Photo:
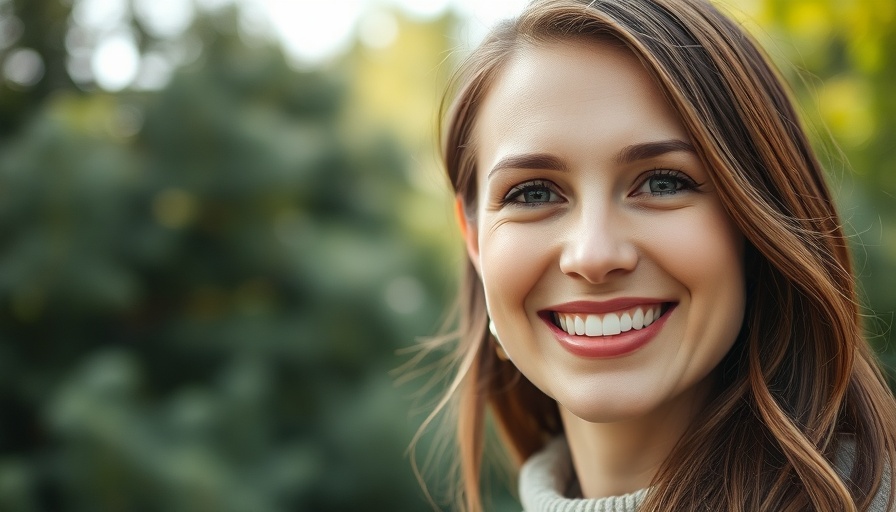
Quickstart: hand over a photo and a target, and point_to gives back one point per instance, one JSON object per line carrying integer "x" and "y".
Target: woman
{"x": 659, "y": 307}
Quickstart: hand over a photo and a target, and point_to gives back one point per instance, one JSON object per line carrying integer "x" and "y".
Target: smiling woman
{"x": 658, "y": 283}
{"x": 628, "y": 225}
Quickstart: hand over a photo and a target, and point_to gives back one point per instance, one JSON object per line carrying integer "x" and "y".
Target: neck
{"x": 615, "y": 458}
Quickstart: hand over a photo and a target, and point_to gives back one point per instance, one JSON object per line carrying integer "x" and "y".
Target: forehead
{"x": 573, "y": 97}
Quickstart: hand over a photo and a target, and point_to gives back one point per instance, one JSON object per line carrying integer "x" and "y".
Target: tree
{"x": 202, "y": 291}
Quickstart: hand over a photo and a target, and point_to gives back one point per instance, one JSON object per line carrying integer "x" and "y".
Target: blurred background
{"x": 223, "y": 226}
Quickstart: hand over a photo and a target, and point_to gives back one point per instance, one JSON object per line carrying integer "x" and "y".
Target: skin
{"x": 588, "y": 220}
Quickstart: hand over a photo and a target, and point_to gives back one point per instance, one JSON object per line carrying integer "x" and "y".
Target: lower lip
{"x": 605, "y": 347}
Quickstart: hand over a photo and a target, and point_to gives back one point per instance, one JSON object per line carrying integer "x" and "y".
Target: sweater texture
{"x": 547, "y": 482}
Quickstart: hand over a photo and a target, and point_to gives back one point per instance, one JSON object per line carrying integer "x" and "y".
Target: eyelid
{"x": 519, "y": 188}
{"x": 689, "y": 183}
{"x": 668, "y": 171}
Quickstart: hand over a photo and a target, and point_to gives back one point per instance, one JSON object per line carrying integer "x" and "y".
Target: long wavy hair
{"x": 801, "y": 379}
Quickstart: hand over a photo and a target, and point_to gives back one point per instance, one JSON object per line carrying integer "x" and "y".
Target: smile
{"x": 608, "y": 324}
{"x": 607, "y": 329}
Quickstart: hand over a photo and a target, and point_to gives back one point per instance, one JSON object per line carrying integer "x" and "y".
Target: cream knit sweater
{"x": 546, "y": 477}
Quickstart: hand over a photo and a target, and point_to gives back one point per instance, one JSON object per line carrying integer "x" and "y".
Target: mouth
{"x": 609, "y": 324}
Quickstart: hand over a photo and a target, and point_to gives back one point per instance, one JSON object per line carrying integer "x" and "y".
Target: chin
{"x": 608, "y": 409}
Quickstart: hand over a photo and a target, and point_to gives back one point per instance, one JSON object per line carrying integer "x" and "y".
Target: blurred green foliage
{"x": 203, "y": 288}
{"x": 838, "y": 57}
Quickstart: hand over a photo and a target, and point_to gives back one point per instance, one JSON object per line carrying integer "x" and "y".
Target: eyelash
{"x": 528, "y": 186}
{"x": 683, "y": 183}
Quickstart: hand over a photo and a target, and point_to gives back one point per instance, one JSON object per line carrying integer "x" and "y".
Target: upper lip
{"x": 606, "y": 306}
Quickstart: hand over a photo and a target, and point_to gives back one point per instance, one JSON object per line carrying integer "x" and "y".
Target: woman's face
{"x": 611, "y": 270}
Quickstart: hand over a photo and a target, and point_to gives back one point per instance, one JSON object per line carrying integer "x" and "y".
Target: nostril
{"x": 598, "y": 259}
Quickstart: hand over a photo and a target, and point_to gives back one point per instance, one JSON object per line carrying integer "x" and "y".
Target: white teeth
{"x": 580, "y": 326}
{"x": 592, "y": 326}
{"x": 608, "y": 324}
{"x": 625, "y": 322}
{"x": 611, "y": 324}
{"x": 637, "y": 319}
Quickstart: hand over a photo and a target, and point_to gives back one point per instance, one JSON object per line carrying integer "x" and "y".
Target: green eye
{"x": 665, "y": 182}
{"x": 535, "y": 195}
{"x": 664, "y": 185}
{"x": 532, "y": 192}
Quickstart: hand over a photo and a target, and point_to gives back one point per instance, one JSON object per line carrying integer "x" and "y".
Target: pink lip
{"x": 606, "y": 347}
{"x": 608, "y": 306}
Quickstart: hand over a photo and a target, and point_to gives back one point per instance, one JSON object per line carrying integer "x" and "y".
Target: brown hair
{"x": 801, "y": 378}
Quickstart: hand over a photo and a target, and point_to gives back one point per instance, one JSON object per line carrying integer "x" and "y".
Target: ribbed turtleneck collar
{"x": 546, "y": 477}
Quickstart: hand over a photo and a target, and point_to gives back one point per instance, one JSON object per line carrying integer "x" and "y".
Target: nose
{"x": 600, "y": 245}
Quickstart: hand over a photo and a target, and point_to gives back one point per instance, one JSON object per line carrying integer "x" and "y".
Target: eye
{"x": 532, "y": 193}
{"x": 665, "y": 182}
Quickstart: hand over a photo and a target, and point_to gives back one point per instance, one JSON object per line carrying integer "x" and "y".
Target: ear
{"x": 468, "y": 231}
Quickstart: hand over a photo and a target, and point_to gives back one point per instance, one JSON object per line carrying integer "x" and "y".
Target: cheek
{"x": 701, "y": 245}
{"x": 706, "y": 255}
{"x": 512, "y": 262}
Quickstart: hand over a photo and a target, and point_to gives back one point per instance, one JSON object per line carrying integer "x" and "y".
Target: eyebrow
{"x": 628, "y": 154}
{"x": 649, "y": 150}
{"x": 529, "y": 161}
